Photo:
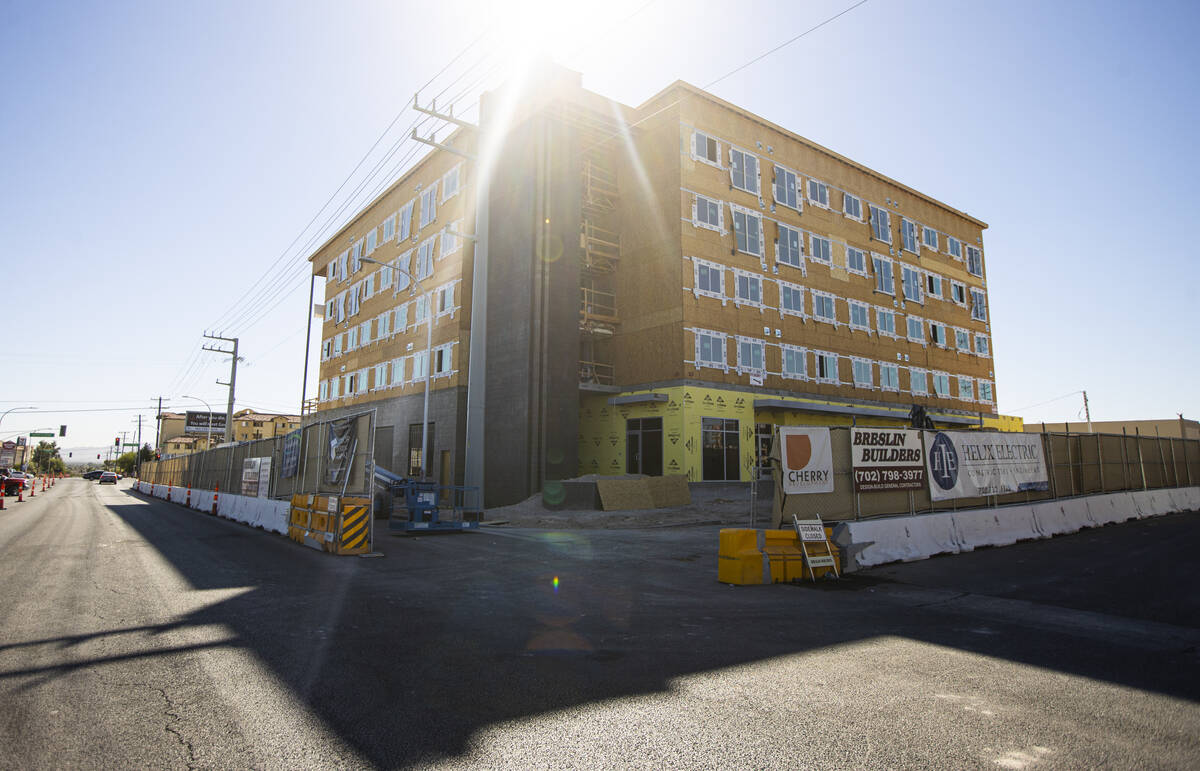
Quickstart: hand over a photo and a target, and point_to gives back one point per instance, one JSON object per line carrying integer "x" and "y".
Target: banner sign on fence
{"x": 291, "y": 455}
{"x": 887, "y": 459}
{"x": 806, "y": 460}
{"x": 970, "y": 464}
{"x": 342, "y": 441}
{"x": 203, "y": 422}
{"x": 250, "y": 476}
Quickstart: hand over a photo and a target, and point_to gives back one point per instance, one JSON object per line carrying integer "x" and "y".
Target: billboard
{"x": 198, "y": 423}
{"x": 970, "y": 464}
{"x": 8, "y": 454}
{"x": 806, "y": 460}
{"x": 887, "y": 459}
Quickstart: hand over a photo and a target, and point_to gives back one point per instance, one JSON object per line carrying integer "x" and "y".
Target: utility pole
{"x": 138, "y": 458}
{"x": 158, "y": 425}
{"x": 232, "y": 379}
{"x": 1087, "y": 412}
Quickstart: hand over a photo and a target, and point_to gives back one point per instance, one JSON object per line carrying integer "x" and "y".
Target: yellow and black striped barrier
{"x": 331, "y": 524}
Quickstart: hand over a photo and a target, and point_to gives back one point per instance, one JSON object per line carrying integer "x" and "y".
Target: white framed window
{"x": 786, "y": 191}
{"x": 451, "y": 181}
{"x": 916, "y": 329}
{"x": 420, "y": 365}
{"x": 372, "y": 240}
{"x": 368, "y": 286}
{"x": 818, "y": 193}
{"x": 852, "y": 206}
{"x": 398, "y": 366}
{"x": 352, "y": 338}
{"x": 352, "y": 299}
{"x": 445, "y": 299}
{"x": 404, "y": 222}
{"x": 885, "y": 279}
{"x": 938, "y": 334}
{"x": 908, "y": 235}
{"x": 707, "y": 213}
{"x": 323, "y": 394}
{"x": 340, "y": 315}
{"x": 789, "y": 247}
{"x": 930, "y": 237}
{"x": 889, "y": 377}
{"x": 326, "y": 349}
{"x": 385, "y": 277}
{"x": 365, "y": 334}
{"x": 978, "y": 304}
{"x": 974, "y": 261}
{"x": 747, "y": 228}
{"x": 379, "y": 376}
{"x": 885, "y": 321}
{"x": 705, "y": 148}
{"x": 429, "y": 204}
{"x": 748, "y": 288}
{"x": 983, "y": 346}
{"x": 420, "y": 309}
{"x": 750, "y": 355}
{"x": 881, "y": 224}
{"x": 941, "y": 385}
{"x": 708, "y": 279}
{"x": 826, "y": 367}
{"x": 824, "y": 306}
{"x": 958, "y": 293}
{"x": 710, "y": 349}
{"x": 985, "y": 392}
{"x": 425, "y": 258}
{"x": 966, "y": 388}
{"x": 389, "y": 228}
{"x": 933, "y": 285}
{"x": 795, "y": 362}
{"x": 918, "y": 381}
{"x": 331, "y": 270}
{"x": 356, "y": 253}
{"x": 954, "y": 247}
{"x": 856, "y": 261}
{"x": 860, "y": 315}
{"x": 791, "y": 299}
{"x": 443, "y": 359}
{"x": 450, "y": 242}
{"x": 385, "y": 324}
{"x": 912, "y": 284}
{"x": 743, "y": 170}
{"x": 864, "y": 373}
{"x": 401, "y": 316}
{"x": 330, "y": 308}
{"x": 337, "y": 345}
{"x": 342, "y": 271}
{"x": 962, "y": 340}
{"x": 822, "y": 249}
{"x": 402, "y": 271}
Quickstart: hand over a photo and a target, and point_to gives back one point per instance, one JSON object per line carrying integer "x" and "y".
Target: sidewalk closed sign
{"x": 807, "y": 460}
{"x": 970, "y": 464}
{"x": 887, "y": 459}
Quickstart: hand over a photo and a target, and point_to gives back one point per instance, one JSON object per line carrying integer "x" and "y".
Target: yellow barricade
{"x": 742, "y": 553}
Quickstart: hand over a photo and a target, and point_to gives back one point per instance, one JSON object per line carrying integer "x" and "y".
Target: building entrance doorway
{"x": 722, "y": 449}
{"x": 644, "y": 446}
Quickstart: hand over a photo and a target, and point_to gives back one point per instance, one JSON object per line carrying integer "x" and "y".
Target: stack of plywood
{"x": 644, "y": 492}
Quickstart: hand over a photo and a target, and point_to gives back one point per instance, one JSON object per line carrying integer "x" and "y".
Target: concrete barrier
{"x": 257, "y": 512}
{"x": 866, "y": 543}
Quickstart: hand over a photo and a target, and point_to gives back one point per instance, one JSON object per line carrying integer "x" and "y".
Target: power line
{"x": 1048, "y": 401}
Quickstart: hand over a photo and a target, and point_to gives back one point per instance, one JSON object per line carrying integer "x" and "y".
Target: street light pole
{"x": 14, "y": 409}
{"x": 208, "y": 427}
{"x": 416, "y": 287}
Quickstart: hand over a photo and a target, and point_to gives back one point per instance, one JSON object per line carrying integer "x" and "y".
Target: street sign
{"x": 41, "y": 433}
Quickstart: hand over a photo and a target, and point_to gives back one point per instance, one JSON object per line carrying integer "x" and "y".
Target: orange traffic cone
{"x": 189, "y": 497}
{"x": 215, "y": 493}
{"x": 32, "y": 488}
{"x": 20, "y": 495}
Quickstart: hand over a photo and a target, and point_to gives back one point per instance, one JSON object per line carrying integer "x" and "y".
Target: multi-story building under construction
{"x": 661, "y": 285}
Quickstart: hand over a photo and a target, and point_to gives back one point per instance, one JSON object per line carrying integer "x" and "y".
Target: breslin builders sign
{"x": 887, "y": 459}
{"x": 971, "y": 464}
{"x": 807, "y": 460}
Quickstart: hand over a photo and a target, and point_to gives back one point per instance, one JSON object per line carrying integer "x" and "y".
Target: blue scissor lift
{"x": 418, "y": 506}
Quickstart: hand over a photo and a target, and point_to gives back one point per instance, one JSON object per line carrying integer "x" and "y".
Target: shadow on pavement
{"x": 408, "y": 657}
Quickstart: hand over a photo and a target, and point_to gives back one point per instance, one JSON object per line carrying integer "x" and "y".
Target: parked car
{"x": 93, "y": 474}
{"x": 108, "y": 478}
{"x": 16, "y": 482}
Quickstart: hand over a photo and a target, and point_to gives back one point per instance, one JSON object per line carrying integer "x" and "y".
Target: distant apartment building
{"x": 249, "y": 425}
{"x": 665, "y": 284}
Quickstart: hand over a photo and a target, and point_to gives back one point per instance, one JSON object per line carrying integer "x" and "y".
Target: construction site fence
{"x": 226, "y": 466}
{"x": 1076, "y": 464}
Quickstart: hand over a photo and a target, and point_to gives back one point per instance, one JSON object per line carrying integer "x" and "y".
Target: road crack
{"x": 173, "y": 718}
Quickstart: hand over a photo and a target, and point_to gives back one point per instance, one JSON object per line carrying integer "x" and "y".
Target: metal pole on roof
{"x": 312, "y": 285}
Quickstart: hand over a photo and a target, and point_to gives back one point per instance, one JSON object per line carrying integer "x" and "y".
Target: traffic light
{"x": 97, "y": 456}
{"x": 62, "y": 430}
{"x": 70, "y": 455}
{"x": 117, "y": 442}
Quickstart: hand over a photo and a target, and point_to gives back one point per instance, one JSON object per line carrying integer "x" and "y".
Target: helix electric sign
{"x": 806, "y": 460}
{"x": 971, "y": 464}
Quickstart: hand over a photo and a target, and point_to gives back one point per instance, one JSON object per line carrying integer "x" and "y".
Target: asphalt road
{"x": 134, "y": 633}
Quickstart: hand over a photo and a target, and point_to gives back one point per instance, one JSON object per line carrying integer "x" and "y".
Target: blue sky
{"x": 159, "y": 158}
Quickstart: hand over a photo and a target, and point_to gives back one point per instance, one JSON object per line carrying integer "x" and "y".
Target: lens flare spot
{"x": 549, "y": 248}
{"x": 555, "y": 582}
{"x": 553, "y": 493}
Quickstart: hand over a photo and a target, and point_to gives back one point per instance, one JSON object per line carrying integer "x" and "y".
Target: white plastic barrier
{"x": 258, "y": 512}
{"x": 994, "y": 527}
{"x": 866, "y": 543}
